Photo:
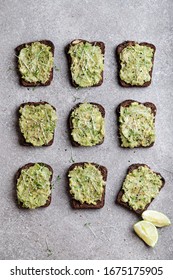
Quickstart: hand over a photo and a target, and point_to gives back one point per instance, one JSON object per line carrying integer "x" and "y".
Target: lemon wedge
{"x": 156, "y": 218}
{"x": 147, "y": 232}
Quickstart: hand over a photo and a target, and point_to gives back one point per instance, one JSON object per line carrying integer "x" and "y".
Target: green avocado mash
{"x": 136, "y": 63}
{"x": 37, "y": 123}
{"x": 136, "y": 126}
{"x": 140, "y": 187}
{"x": 88, "y": 125}
{"x": 87, "y": 64}
{"x": 33, "y": 186}
{"x": 35, "y": 62}
{"x": 86, "y": 183}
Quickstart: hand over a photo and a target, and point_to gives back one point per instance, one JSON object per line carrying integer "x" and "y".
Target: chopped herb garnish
{"x": 89, "y": 226}
{"x": 48, "y": 250}
{"x": 71, "y": 160}
{"x": 75, "y": 98}
{"x": 58, "y": 178}
{"x": 56, "y": 68}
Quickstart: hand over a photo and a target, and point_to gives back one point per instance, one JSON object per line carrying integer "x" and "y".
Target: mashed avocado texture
{"x": 87, "y": 64}
{"x": 140, "y": 187}
{"x": 136, "y": 63}
{"x": 136, "y": 126}
{"x": 37, "y": 123}
{"x": 88, "y": 125}
{"x": 86, "y": 183}
{"x": 35, "y": 62}
{"x": 33, "y": 186}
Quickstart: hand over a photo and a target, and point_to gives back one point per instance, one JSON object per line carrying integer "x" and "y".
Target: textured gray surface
{"x": 58, "y": 232}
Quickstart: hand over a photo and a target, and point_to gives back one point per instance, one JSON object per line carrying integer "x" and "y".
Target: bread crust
{"x": 70, "y": 124}
{"x": 127, "y": 103}
{"x": 94, "y": 43}
{"x": 121, "y": 192}
{"x": 26, "y": 166}
{"x": 22, "y": 138}
{"x": 26, "y": 83}
{"x": 119, "y": 49}
{"x": 77, "y": 204}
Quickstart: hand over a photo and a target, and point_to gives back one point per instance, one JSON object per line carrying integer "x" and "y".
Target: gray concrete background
{"x": 59, "y": 232}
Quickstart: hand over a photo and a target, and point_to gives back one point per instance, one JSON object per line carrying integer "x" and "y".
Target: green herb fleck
{"x": 71, "y": 160}
{"x": 75, "y": 98}
{"x": 87, "y": 224}
{"x": 48, "y": 250}
{"x": 56, "y": 68}
{"x": 58, "y": 178}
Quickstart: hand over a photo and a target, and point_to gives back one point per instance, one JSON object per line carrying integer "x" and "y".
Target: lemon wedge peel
{"x": 156, "y": 218}
{"x": 147, "y": 232}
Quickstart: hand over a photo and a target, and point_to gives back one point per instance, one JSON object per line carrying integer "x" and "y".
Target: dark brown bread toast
{"x": 22, "y": 138}
{"x": 77, "y": 204}
{"x": 26, "y": 83}
{"x": 121, "y": 192}
{"x": 119, "y": 49}
{"x": 127, "y": 103}
{"x": 102, "y": 111}
{"x": 94, "y": 43}
{"x": 26, "y": 166}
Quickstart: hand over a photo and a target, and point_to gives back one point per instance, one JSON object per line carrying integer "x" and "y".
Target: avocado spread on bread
{"x": 35, "y": 62}
{"x": 140, "y": 187}
{"x": 86, "y": 183}
{"x": 136, "y": 64}
{"x": 88, "y": 125}
{"x": 33, "y": 186}
{"x": 87, "y": 64}
{"x": 136, "y": 125}
{"x": 37, "y": 123}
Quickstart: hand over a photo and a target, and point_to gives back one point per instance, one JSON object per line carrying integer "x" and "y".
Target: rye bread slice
{"x": 121, "y": 192}
{"x": 26, "y": 166}
{"x": 22, "y": 138}
{"x": 127, "y": 103}
{"x": 119, "y": 49}
{"x": 26, "y": 83}
{"x": 77, "y": 204}
{"x": 102, "y": 111}
{"x": 100, "y": 44}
